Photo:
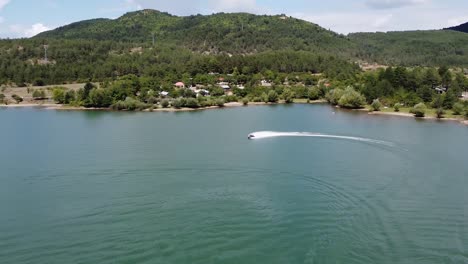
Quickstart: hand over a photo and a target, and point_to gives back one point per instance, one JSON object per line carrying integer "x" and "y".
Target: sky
{"x": 26, "y": 18}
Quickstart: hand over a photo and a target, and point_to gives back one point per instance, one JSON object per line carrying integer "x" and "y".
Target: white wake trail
{"x": 272, "y": 134}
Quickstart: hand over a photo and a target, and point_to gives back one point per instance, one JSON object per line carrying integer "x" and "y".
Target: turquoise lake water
{"x": 112, "y": 187}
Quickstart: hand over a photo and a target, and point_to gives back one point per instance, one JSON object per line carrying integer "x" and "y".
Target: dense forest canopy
{"x": 235, "y": 33}
{"x": 412, "y": 48}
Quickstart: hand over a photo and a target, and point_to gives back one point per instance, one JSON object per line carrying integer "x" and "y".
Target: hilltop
{"x": 235, "y": 33}
{"x": 243, "y": 33}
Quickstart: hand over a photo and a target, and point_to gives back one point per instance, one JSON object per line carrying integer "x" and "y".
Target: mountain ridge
{"x": 244, "y": 33}
{"x": 221, "y": 32}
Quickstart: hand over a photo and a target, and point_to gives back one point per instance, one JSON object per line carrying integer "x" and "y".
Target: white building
{"x": 265, "y": 83}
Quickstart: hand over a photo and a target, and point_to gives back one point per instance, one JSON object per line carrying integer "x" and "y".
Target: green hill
{"x": 236, "y": 33}
{"x": 102, "y": 49}
{"x": 242, "y": 33}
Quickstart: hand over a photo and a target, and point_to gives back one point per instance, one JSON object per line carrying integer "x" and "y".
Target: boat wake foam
{"x": 273, "y": 134}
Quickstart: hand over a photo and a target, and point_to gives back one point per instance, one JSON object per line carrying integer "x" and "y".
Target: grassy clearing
{"x": 430, "y": 112}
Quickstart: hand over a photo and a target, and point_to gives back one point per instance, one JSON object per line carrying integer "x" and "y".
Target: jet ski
{"x": 251, "y": 136}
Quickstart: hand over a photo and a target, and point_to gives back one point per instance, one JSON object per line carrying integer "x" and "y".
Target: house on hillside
{"x": 441, "y": 89}
{"x": 202, "y": 92}
{"x": 179, "y": 85}
{"x": 265, "y": 83}
{"x": 225, "y": 86}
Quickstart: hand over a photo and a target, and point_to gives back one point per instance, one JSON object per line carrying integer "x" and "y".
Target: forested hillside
{"x": 242, "y": 33}
{"x": 236, "y": 33}
{"x": 411, "y": 48}
{"x": 105, "y": 49}
{"x": 22, "y": 62}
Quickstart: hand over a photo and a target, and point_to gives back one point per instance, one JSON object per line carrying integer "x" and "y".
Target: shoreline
{"x": 59, "y": 107}
{"x": 461, "y": 120}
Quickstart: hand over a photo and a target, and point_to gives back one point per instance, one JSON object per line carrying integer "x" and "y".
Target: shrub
{"x": 245, "y": 101}
{"x": 466, "y": 113}
{"x": 2, "y": 98}
{"x": 396, "y": 107}
{"x": 152, "y": 100}
{"x": 376, "y": 105}
{"x": 314, "y": 93}
{"x": 450, "y": 99}
{"x": 419, "y": 110}
{"x": 99, "y": 97}
{"x": 257, "y": 99}
{"x": 39, "y": 94}
{"x": 264, "y": 98}
{"x": 352, "y": 99}
{"x": 288, "y": 96}
{"x": 165, "y": 103}
{"x": 183, "y": 102}
{"x": 70, "y": 96}
{"x": 457, "y": 108}
{"x": 438, "y": 101}
{"x": 272, "y": 96}
{"x": 231, "y": 98}
{"x": 220, "y": 102}
{"x": 177, "y": 104}
{"x": 58, "y": 95}
{"x": 206, "y": 103}
{"x": 191, "y": 103}
{"x": 334, "y": 95}
{"x": 188, "y": 93}
{"x": 17, "y": 98}
{"x": 440, "y": 113}
{"x": 130, "y": 104}
{"x": 216, "y": 91}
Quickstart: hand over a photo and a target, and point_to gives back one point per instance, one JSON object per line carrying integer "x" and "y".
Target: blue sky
{"x": 24, "y": 18}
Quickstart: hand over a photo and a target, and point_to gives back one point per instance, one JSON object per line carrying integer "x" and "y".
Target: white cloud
{"x": 178, "y": 7}
{"x": 36, "y": 29}
{"x": 1, "y": 20}
{"x": 457, "y": 21}
{"x": 387, "y": 4}
{"x": 234, "y": 5}
{"x": 350, "y": 22}
{"x": 421, "y": 17}
{"x": 184, "y": 7}
{"x": 3, "y": 3}
{"x": 382, "y": 21}
{"x": 133, "y": 4}
{"x": 22, "y": 31}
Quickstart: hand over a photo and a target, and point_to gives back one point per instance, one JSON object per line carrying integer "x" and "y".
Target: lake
{"x": 115, "y": 187}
